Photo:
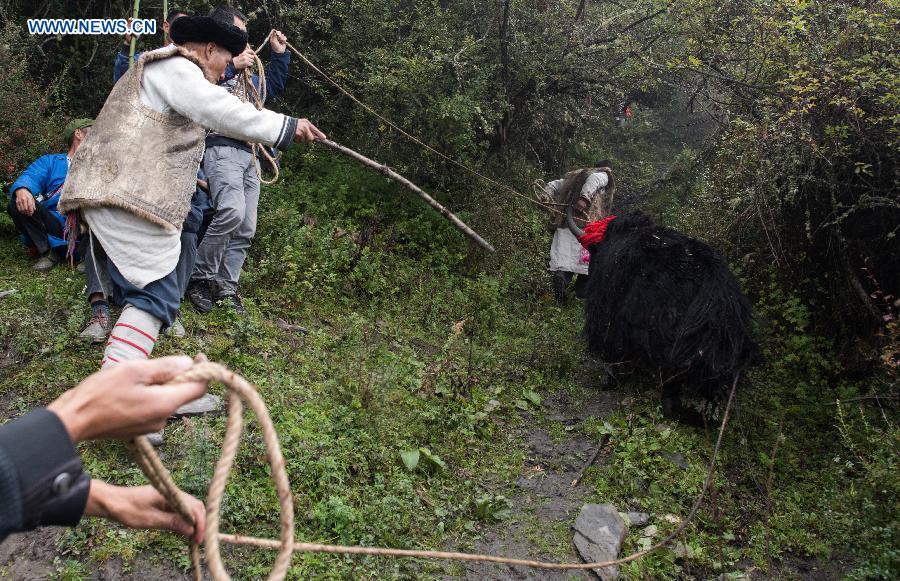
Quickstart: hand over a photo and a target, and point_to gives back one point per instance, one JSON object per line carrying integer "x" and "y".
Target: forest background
{"x": 768, "y": 129}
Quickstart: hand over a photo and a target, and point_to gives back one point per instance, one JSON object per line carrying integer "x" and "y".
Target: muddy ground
{"x": 545, "y": 495}
{"x": 34, "y": 556}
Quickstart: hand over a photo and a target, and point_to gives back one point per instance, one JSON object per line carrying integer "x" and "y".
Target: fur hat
{"x": 206, "y": 29}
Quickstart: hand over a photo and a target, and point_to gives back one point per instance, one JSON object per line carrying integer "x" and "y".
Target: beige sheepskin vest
{"x": 137, "y": 158}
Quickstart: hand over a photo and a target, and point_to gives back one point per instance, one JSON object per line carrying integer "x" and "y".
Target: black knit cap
{"x": 206, "y": 29}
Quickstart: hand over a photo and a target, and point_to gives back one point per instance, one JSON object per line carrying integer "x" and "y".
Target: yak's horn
{"x": 578, "y": 232}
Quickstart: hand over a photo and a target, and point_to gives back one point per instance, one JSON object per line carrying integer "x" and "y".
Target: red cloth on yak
{"x": 594, "y": 232}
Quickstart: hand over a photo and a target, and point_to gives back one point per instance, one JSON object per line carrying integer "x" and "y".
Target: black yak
{"x": 668, "y": 303}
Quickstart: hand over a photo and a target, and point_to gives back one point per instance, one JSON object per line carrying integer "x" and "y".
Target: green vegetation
{"x": 768, "y": 129}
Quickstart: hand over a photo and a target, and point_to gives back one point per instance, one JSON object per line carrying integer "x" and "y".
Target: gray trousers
{"x": 234, "y": 189}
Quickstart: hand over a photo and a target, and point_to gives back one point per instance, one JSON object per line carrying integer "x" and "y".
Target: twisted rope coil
{"x": 238, "y": 392}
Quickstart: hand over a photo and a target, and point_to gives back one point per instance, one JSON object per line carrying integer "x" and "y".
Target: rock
{"x": 637, "y": 519}
{"x": 599, "y": 531}
{"x": 682, "y": 551}
{"x": 207, "y": 403}
{"x": 289, "y": 327}
{"x": 6, "y": 293}
{"x": 672, "y": 518}
{"x": 650, "y": 531}
{"x": 677, "y": 459}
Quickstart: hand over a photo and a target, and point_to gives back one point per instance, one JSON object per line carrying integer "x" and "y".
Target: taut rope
{"x": 246, "y": 90}
{"x": 238, "y": 390}
{"x": 547, "y": 206}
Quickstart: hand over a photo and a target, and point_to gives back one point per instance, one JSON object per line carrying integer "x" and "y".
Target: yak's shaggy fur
{"x": 669, "y": 303}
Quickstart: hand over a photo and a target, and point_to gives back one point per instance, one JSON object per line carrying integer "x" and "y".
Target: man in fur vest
{"x": 131, "y": 180}
{"x": 583, "y": 189}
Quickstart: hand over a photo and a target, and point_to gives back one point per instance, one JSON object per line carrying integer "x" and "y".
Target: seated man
{"x": 33, "y": 198}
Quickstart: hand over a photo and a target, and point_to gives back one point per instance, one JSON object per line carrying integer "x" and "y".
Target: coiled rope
{"x": 247, "y": 91}
{"x": 239, "y": 391}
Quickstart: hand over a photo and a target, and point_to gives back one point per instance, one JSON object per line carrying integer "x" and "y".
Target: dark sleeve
{"x": 39, "y": 464}
{"x": 286, "y": 137}
{"x": 121, "y": 65}
{"x": 276, "y": 74}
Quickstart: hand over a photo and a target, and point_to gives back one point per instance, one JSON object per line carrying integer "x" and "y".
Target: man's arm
{"x": 593, "y": 184}
{"x": 31, "y": 183}
{"x": 35, "y": 177}
{"x": 121, "y": 65}
{"x": 277, "y": 71}
{"x": 214, "y": 108}
{"x": 41, "y": 477}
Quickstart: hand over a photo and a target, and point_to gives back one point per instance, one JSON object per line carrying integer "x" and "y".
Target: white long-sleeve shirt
{"x": 141, "y": 250}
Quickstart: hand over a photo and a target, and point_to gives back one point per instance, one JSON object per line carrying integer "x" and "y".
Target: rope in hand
{"x": 549, "y": 206}
{"x": 238, "y": 392}
{"x": 247, "y": 91}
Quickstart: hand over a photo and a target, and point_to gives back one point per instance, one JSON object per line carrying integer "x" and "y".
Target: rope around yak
{"x": 239, "y": 391}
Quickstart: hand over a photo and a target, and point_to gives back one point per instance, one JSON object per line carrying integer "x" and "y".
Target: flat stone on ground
{"x": 599, "y": 531}
{"x": 638, "y": 519}
{"x": 202, "y": 405}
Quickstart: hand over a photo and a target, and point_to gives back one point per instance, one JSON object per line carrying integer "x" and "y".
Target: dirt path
{"x": 35, "y": 556}
{"x": 546, "y": 504}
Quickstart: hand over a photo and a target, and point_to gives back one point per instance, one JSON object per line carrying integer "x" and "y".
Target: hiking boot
{"x": 176, "y": 329}
{"x": 233, "y": 302}
{"x": 47, "y": 262}
{"x": 98, "y": 327}
{"x": 202, "y": 405}
{"x": 200, "y": 293}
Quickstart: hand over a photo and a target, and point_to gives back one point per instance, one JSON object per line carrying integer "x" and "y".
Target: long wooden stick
{"x": 137, "y": 8}
{"x": 603, "y": 442}
{"x": 410, "y": 186}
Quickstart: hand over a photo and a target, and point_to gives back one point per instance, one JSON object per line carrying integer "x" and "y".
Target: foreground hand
{"x": 126, "y": 400}
{"x": 24, "y": 202}
{"x": 307, "y": 132}
{"x": 142, "y": 507}
{"x": 244, "y": 60}
{"x": 277, "y": 42}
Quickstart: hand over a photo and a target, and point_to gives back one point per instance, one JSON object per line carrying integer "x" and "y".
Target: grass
{"x": 415, "y": 342}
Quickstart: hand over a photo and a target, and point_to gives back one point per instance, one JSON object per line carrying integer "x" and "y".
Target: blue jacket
{"x": 44, "y": 179}
{"x": 121, "y": 65}
{"x": 276, "y": 75}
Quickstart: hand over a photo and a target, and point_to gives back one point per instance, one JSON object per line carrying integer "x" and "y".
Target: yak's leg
{"x": 675, "y": 409}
